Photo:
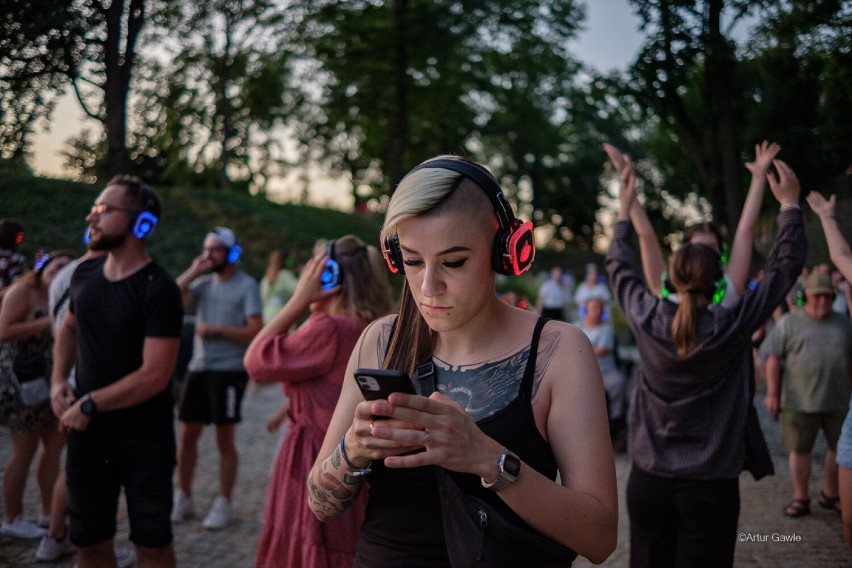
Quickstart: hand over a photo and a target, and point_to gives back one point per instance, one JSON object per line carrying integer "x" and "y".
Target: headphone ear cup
{"x": 234, "y": 253}
{"x": 513, "y": 251}
{"x": 392, "y": 254}
{"x": 144, "y": 225}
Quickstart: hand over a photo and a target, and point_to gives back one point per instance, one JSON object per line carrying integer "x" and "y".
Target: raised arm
{"x": 838, "y": 248}
{"x": 653, "y": 264}
{"x": 737, "y": 268}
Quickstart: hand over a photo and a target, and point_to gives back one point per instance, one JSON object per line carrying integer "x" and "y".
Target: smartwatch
{"x": 509, "y": 467}
{"x": 88, "y": 406}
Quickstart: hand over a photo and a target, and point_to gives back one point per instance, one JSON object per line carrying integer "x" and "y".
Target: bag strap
{"x": 62, "y": 299}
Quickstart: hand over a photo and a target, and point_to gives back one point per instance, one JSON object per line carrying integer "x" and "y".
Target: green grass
{"x": 53, "y": 212}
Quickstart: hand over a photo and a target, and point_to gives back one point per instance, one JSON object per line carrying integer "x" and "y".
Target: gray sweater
{"x": 693, "y": 416}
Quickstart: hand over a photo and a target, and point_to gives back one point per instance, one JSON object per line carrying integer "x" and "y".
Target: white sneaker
{"x": 50, "y": 549}
{"x": 220, "y": 514}
{"x": 22, "y": 528}
{"x": 125, "y": 557}
{"x": 182, "y": 507}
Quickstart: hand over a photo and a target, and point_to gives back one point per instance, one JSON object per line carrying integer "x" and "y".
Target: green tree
{"x": 40, "y": 44}
{"x": 226, "y": 93}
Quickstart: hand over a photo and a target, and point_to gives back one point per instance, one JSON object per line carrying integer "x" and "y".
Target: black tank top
{"x": 403, "y": 523}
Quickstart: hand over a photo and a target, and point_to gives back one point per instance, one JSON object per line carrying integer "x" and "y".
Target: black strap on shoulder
{"x": 62, "y": 299}
{"x": 529, "y": 371}
{"x": 425, "y": 379}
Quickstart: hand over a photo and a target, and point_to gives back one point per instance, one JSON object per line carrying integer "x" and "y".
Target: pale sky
{"x": 610, "y": 41}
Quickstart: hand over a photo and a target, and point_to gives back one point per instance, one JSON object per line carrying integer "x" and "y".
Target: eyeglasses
{"x": 105, "y": 208}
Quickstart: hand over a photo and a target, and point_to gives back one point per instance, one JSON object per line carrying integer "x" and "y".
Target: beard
{"x": 107, "y": 242}
{"x": 218, "y": 268}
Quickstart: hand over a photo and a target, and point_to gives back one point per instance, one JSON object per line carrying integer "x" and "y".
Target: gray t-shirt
{"x": 227, "y": 303}
{"x": 816, "y": 356}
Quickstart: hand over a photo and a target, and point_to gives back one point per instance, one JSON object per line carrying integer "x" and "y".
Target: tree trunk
{"x": 118, "y": 67}
{"x": 399, "y": 137}
{"x": 727, "y": 202}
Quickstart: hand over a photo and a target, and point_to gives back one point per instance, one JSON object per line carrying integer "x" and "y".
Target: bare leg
{"x": 845, "y": 484}
{"x": 800, "y": 470}
{"x": 190, "y": 432}
{"x": 24, "y": 446}
{"x": 830, "y": 466}
{"x": 59, "y": 508}
{"x": 47, "y": 470}
{"x": 101, "y": 555}
{"x": 156, "y": 557}
{"x": 229, "y": 459}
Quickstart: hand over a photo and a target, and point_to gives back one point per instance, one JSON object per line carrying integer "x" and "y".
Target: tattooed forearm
{"x": 331, "y": 490}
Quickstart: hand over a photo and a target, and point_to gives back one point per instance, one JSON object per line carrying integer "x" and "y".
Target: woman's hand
{"x": 626, "y": 189}
{"x": 764, "y": 153}
{"x": 450, "y": 437}
{"x": 785, "y": 187}
{"x": 309, "y": 288}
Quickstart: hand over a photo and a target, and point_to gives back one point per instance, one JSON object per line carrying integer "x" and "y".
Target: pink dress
{"x": 311, "y": 362}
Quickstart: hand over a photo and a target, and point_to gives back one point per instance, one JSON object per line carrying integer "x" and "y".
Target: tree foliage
{"x": 40, "y": 44}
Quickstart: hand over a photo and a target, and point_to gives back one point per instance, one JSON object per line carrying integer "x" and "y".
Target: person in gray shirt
{"x": 229, "y": 315}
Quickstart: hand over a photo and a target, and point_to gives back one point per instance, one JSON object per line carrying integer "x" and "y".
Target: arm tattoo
{"x": 548, "y": 343}
{"x": 328, "y": 495}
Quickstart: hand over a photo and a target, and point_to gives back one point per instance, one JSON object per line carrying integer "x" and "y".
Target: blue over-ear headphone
{"x": 332, "y": 275}
{"x": 145, "y": 222}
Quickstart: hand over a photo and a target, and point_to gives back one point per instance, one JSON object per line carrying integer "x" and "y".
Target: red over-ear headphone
{"x": 513, "y": 249}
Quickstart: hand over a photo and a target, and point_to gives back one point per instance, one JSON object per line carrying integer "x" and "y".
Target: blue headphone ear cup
{"x": 144, "y": 225}
{"x": 234, "y": 253}
{"x": 331, "y": 275}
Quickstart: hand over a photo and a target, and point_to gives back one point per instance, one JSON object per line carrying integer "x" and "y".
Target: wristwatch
{"x": 88, "y": 406}
{"x": 509, "y": 467}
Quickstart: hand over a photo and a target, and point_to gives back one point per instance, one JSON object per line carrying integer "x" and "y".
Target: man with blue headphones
{"x": 228, "y": 316}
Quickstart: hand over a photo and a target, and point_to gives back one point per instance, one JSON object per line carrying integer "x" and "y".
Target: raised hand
{"x": 627, "y": 186}
{"x": 785, "y": 187}
{"x": 820, "y": 205}
{"x": 616, "y": 157}
{"x": 764, "y": 153}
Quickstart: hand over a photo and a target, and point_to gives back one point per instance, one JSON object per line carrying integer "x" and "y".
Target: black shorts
{"x": 212, "y": 396}
{"x": 99, "y": 465}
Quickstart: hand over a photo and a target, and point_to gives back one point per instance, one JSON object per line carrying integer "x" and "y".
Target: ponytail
{"x": 683, "y": 325}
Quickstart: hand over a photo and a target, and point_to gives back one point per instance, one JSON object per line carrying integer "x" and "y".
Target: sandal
{"x": 827, "y": 502}
{"x": 798, "y": 508}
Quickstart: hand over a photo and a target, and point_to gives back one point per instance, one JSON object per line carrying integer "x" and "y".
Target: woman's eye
{"x": 411, "y": 262}
{"x": 455, "y": 263}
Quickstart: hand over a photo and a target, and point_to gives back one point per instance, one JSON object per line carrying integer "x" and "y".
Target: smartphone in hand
{"x": 378, "y": 384}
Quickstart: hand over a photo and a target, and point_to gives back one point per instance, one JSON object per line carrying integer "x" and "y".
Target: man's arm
{"x": 237, "y": 334}
{"x": 199, "y": 266}
{"x": 838, "y": 248}
{"x": 158, "y": 360}
{"x": 772, "y": 401}
{"x": 64, "y": 356}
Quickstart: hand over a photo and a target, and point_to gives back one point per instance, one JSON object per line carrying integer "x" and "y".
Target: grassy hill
{"x": 53, "y": 212}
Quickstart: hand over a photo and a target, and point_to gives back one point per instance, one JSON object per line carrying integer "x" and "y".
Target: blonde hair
{"x": 427, "y": 192}
{"x": 693, "y": 270}
{"x": 365, "y": 293}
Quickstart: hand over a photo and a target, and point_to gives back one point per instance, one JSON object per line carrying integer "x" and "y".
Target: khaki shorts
{"x": 799, "y": 429}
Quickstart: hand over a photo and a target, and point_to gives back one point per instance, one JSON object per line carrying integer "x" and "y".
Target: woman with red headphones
{"x": 507, "y": 399}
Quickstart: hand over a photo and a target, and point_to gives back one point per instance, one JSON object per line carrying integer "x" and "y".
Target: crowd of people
{"x": 502, "y": 450}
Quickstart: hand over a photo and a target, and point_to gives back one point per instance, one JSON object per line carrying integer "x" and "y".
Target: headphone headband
{"x": 481, "y": 177}
{"x": 513, "y": 248}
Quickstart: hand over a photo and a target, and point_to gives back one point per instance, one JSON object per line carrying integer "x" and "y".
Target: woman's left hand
{"x": 451, "y": 439}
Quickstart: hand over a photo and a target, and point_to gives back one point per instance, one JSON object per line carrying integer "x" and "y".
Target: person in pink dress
{"x": 345, "y": 289}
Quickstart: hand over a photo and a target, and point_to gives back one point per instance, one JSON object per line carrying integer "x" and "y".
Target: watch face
{"x": 87, "y": 407}
{"x": 512, "y": 465}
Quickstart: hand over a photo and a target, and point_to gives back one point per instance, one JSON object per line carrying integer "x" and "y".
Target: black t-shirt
{"x": 113, "y": 320}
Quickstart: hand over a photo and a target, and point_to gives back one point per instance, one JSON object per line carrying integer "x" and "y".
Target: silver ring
{"x": 427, "y": 438}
